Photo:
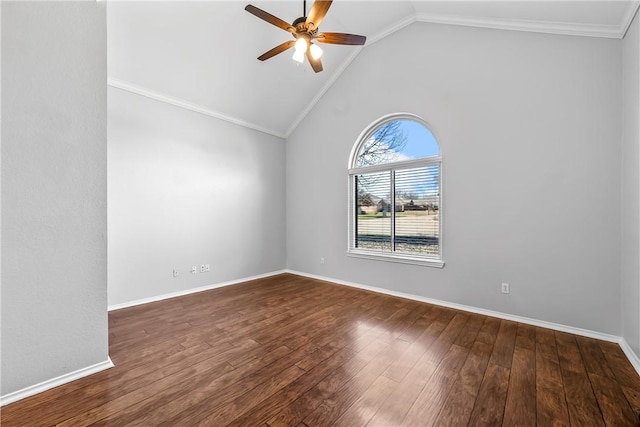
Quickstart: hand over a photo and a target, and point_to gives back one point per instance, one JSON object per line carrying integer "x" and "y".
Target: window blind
{"x": 398, "y": 211}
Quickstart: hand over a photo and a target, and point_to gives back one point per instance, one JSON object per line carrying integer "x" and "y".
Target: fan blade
{"x": 265, "y": 16}
{"x": 317, "y": 13}
{"x": 276, "y": 50}
{"x": 341, "y": 38}
{"x": 316, "y": 64}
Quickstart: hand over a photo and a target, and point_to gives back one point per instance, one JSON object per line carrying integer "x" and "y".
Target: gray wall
{"x": 529, "y": 127}
{"x": 631, "y": 187}
{"x": 188, "y": 189}
{"x": 54, "y": 190}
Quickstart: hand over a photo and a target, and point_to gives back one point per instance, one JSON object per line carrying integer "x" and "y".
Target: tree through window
{"x": 395, "y": 175}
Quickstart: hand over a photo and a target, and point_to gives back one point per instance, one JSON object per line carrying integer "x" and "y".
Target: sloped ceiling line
{"x": 561, "y": 28}
{"x": 370, "y": 40}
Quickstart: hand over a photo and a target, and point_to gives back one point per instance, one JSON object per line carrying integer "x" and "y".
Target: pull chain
{"x": 304, "y": 8}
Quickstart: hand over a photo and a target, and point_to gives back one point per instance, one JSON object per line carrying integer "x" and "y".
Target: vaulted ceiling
{"x": 202, "y": 55}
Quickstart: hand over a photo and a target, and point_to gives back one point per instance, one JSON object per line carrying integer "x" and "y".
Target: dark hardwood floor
{"x": 292, "y": 351}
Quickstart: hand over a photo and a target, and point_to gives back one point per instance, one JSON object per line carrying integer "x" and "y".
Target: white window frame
{"x": 430, "y": 261}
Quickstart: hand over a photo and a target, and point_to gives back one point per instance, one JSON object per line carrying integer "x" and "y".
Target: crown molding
{"x": 632, "y": 9}
{"x": 560, "y": 28}
{"x": 139, "y": 90}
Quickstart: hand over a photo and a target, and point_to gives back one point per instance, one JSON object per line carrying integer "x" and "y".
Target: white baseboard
{"x": 72, "y": 376}
{"x": 55, "y": 382}
{"x": 63, "y": 379}
{"x": 633, "y": 358}
{"x": 191, "y": 291}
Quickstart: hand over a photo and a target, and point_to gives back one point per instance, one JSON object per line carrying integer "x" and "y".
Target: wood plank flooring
{"x": 292, "y": 351}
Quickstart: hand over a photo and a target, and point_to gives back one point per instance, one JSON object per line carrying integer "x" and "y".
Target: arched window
{"x": 395, "y": 211}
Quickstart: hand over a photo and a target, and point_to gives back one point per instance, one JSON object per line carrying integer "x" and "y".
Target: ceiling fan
{"x": 305, "y": 31}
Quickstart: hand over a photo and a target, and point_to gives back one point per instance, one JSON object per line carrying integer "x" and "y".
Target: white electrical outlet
{"x": 505, "y": 288}
{"x": 322, "y": 260}
{"x": 194, "y": 269}
{"x": 202, "y": 268}
{"x": 175, "y": 273}
{"x": 207, "y": 267}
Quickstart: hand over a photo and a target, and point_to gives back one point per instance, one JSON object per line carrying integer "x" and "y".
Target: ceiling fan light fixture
{"x": 315, "y": 51}
{"x": 305, "y": 30}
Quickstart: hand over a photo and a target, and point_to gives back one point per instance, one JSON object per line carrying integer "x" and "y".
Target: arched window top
{"x": 394, "y": 138}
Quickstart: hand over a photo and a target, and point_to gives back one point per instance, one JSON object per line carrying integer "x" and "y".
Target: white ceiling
{"x": 202, "y": 55}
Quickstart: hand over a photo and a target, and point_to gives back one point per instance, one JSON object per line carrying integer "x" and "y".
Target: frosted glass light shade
{"x": 298, "y": 55}
{"x": 301, "y": 45}
{"x": 315, "y": 51}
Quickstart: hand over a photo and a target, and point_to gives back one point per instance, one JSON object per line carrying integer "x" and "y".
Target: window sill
{"x": 402, "y": 259}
